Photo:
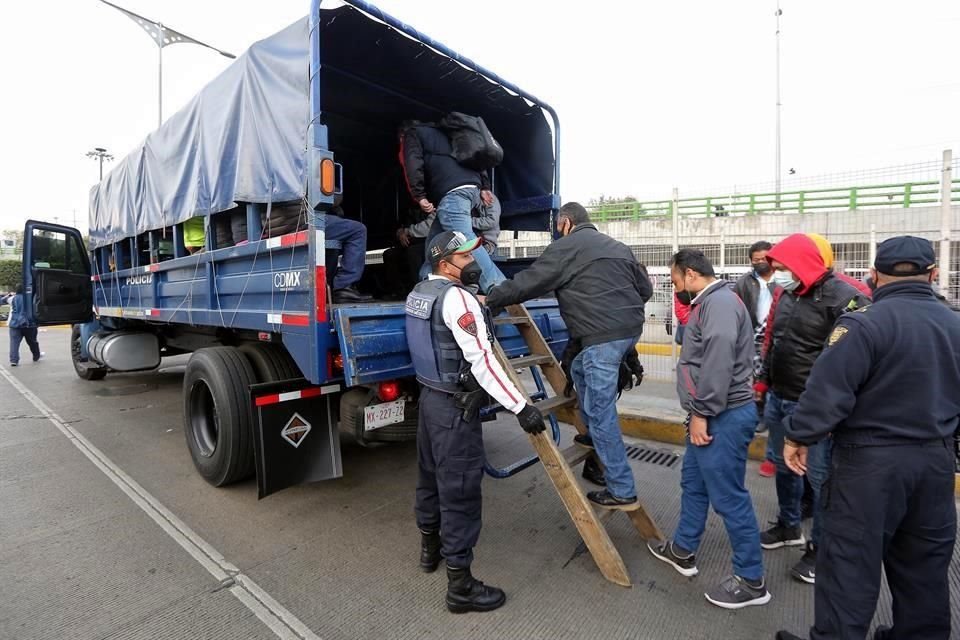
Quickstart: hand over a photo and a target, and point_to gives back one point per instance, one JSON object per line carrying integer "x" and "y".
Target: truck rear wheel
{"x": 82, "y": 366}
{"x": 270, "y": 362}
{"x": 216, "y": 414}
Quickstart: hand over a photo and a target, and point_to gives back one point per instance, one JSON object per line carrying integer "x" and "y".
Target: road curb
{"x": 654, "y": 349}
{"x": 672, "y": 432}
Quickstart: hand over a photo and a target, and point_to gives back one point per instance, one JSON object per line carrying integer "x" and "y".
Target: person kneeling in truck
{"x": 449, "y": 340}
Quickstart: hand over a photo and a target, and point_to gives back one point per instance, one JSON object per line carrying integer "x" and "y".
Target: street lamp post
{"x": 99, "y": 153}
{"x": 163, "y": 36}
{"x": 777, "y": 163}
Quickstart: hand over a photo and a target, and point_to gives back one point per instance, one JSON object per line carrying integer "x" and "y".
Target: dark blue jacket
{"x": 890, "y": 373}
{"x": 18, "y": 316}
{"x": 429, "y": 167}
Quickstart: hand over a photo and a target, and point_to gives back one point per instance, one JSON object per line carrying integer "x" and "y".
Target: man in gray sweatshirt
{"x": 714, "y": 377}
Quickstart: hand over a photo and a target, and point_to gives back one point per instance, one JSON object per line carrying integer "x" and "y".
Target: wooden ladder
{"x": 558, "y": 463}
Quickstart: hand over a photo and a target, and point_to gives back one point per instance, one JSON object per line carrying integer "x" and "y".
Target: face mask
{"x": 470, "y": 274}
{"x": 786, "y": 280}
{"x": 762, "y": 268}
{"x": 685, "y": 297}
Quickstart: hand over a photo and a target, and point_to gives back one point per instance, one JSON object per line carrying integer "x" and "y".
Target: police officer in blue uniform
{"x": 886, "y": 390}
{"x": 450, "y": 345}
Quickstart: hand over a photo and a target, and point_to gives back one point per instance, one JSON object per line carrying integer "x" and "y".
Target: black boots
{"x": 466, "y": 593}
{"x": 429, "y": 551}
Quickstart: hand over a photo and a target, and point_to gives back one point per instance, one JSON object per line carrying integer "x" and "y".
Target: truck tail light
{"x": 388, "y": 391}
{"x": 328, "y": 177}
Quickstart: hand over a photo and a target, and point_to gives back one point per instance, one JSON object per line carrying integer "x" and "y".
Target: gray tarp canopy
{"x": 243, "y": 137}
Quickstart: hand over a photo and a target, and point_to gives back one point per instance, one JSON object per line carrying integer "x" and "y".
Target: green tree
{"x": 11, "y": 274}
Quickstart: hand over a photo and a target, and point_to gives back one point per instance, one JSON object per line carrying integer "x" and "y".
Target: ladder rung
{"x": 575, "y": 454}
{"x": 510, "y": 320}
{"x": 552, "y": 404}
{"x": 529, "y": 361}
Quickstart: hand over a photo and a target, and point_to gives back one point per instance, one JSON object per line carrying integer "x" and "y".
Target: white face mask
{"x": 786, "y": 280}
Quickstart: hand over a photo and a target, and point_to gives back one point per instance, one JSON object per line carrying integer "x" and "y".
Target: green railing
{"x": 910, "y": 194}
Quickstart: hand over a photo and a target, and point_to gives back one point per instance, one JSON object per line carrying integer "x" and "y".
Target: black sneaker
{"x": 609, "y": 501}
{"x": 780, "y": 535}
{"x": 806, "y": 569}
{"x": 685, "y": 564}
{"x": 583, "y": 439}
{"x": 736, "y": 593}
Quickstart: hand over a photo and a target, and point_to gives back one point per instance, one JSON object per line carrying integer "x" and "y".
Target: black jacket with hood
{"x": 802, "y": 318}
{"x": 429, "y": 168}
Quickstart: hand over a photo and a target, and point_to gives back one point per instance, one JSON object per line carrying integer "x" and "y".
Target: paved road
{"x": 106, "y": 531}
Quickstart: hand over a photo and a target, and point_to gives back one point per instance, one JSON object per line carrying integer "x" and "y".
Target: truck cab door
{"x": 56, "y": 275}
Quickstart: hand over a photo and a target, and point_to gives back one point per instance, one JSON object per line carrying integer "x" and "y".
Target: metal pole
{"x": 873, "y": 246}
{"x": 160, "y": 83}
{"x": 777, "y": 164}
{"x": 723, "y": 253}
{"x": 675, "y": 245}
{"x": 101, "y": 167}
{"x": 946, "y": 218}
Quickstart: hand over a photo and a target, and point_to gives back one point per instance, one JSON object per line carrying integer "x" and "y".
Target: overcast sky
{"x": 650, "y": 94}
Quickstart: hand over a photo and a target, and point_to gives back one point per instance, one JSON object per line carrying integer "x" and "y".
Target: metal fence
{"x": 853, "y": 233}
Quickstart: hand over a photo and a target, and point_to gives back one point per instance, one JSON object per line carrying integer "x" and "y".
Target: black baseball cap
{"x": 449, "y": 243}
{"x": 905, "y": 249}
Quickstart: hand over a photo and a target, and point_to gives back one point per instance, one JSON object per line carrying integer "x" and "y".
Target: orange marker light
{"x": 328, "y": 182}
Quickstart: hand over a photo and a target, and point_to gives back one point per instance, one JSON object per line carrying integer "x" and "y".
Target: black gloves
{"x": 530, "y": 419}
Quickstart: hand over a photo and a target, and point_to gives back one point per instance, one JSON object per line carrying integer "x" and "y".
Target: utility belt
{"x": 468, "y": 395}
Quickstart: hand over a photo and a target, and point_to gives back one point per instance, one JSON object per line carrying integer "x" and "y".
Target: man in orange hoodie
{"x": 811, "y": 300}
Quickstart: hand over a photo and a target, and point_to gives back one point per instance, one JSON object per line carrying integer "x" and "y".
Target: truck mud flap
{"x": 295, "y": 435}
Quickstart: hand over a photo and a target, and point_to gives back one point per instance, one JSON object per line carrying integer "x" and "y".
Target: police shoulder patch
{"x": 838, "y": 334}
{"x": 468, "y": 323}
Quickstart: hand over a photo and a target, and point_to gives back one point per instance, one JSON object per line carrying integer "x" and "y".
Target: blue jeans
{"x": 453, "y": 214}
{"x": 789, "y": 484}
{"x": 714, "y": 476}
{"x": 352, "y": 236}
{"x": 595, "y": 372}
{"x": 819, "y": 457}
{"x": 23, "y": 333}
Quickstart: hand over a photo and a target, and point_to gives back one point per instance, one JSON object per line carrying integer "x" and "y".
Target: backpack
{"x": 473, "y": 145}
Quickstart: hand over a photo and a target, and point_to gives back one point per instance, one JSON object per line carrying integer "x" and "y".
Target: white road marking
{"x": 277, "y": 618}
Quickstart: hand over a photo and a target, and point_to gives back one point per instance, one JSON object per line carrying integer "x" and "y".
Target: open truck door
{"x": 56, "y": 275}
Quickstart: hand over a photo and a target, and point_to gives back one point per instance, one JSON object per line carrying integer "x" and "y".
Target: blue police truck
{"x": 209, "y": 239}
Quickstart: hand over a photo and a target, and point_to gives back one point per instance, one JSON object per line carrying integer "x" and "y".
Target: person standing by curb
{"x": 714, "y": 376}
{"x": 21, "y": 328}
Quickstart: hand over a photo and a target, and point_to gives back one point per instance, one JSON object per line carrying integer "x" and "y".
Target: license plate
{"x": 381, "y": 415}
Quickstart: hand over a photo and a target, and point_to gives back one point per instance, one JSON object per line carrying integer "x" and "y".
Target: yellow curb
{"x": 655, "y": 349}
{"x": 670, "y": 432}
{"x": 659, "y": 430}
